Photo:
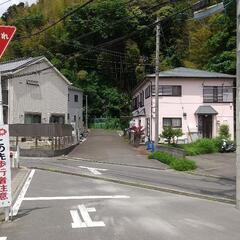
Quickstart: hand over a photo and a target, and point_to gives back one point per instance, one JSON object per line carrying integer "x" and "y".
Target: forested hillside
{"x": 108, "y": 46}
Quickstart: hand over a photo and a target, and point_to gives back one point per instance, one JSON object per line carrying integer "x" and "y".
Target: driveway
{"x": 107, "y": 146}
{"x": 217, "y": 164}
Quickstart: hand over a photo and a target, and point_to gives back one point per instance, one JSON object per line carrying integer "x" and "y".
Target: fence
{"x": 53, "y": 136}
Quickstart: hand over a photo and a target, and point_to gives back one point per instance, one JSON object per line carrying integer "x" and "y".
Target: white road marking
{"x": 74, "y": 198}
{"x": 3, "y": 238}
{"x": 94, "y": 170}
{"x": 18, "y": 203}
{"x": 77, "y": 222}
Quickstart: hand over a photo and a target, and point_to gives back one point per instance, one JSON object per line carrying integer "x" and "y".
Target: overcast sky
{"x": 5, "y": 6}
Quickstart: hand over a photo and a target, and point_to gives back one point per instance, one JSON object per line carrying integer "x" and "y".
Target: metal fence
{"x": 40, "y": 130}
{"x": 36, "y": 135}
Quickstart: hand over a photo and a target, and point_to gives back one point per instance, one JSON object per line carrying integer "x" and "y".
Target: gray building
{"x": 34, "y": 91}
{"x": 75, "y": 108}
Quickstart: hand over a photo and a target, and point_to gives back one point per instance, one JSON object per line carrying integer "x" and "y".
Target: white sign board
{"x": 5, "y": 170}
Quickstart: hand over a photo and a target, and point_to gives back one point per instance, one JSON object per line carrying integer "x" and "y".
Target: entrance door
{"x": 205, "y": 125}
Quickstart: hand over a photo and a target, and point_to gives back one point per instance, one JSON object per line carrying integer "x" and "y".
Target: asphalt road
{"x": 64, "y": 207}
{"x": 121, "y": 162}
{"x": 167, "y": 179}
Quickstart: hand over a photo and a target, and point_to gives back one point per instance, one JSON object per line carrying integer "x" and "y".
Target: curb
{"x": 144, "y": 186}
{"x": 212, "y": 176}
{"x": 118, "y": 164}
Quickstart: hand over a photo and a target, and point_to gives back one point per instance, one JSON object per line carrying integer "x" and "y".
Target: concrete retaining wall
{"x": 172, "y": 150}
{"x": 45, "y": 153}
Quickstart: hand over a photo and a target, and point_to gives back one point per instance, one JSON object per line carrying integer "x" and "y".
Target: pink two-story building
{"x": 196, "y": 101}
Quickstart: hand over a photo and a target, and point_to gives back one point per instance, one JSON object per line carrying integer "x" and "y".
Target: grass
{"x": 202, "y": 146}
{"x": 178, "y": 164}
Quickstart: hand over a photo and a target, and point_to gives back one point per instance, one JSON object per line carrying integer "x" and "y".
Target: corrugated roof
{"x": 75, "y": 88}
{"x": 12, "y": 66}
{"x": 206, "y": 110}
{"x": 191, "y": 73}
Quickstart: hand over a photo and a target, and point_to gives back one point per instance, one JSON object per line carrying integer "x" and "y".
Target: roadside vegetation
{"x": 201, "y": 146}
{"x": 95, "y": 47}
{"x": 175, "y": 163}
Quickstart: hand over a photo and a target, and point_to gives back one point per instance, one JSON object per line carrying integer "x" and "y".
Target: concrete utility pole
{"x": 157, "y": 81}
{"x": 86, "y": 112}
{"x": 238, "y": 111}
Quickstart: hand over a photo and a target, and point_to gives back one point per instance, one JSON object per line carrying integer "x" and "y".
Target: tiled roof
{"x": 191, "y": 73}
{"x": 12, "y": 66}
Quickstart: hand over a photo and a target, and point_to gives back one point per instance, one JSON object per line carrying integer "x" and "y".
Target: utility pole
{"x": 238, "y": 111}
{"x": 86, "y": 112}
{"x": 157, "y": 81}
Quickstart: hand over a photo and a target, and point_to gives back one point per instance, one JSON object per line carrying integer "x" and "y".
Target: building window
{"x": 68, "y": 116}
{"x": 58, "y": 119}
{"x": 32, "y": 118}
{"x": 75, "y": 98}
{"x": 134, "y": 104}
{"x": 68, "y": 97}
{"x": 141, "y": 101}
{"x": 75, "y": 118}
{"x": 167, "y": 90}
{"x": 172, "y": 122}
{"x": 217, "y": 94}
{"x": 147, "y": 92}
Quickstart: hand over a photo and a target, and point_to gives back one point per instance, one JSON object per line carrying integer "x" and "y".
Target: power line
{"x": 58, "y": 21}
{"x": 119, "y": 21}
{"x": 144, "y": 28}
{"x": 5, "y": 2}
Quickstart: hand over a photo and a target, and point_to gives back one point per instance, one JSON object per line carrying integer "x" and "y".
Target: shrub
{"x": 175, "y": 163}
{"x": 191, "y": 150}
{"x": 206, "y": 145}
{"x": 163, "y": 157}
{"x": 150, "y": 156}
{"x": 170, "y": 134}
{"x": 183, "y": 165}
{"x": 224, "y": 131}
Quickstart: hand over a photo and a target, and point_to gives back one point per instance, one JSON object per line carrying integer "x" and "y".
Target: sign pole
{"x": 238, "y": 111}
{"x": 6, "y": 209}
{"x": 6, "y": 35}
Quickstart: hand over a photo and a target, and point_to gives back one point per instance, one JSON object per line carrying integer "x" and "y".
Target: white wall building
{"x": 196, "y": 101}
{"x": 34, "y": 91}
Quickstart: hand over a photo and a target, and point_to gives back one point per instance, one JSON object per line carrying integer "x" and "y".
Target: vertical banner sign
{"x": 5, "y": 171}
{"x": 6, "y": 34}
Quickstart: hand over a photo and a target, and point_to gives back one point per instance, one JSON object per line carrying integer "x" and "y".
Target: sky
{"x": 5, "y": 6}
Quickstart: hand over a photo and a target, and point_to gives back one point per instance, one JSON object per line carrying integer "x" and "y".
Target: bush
{"x": 150, "y": 156}
{"x": 163, "y": 157}
{"x": 224, "y": 132}
{"x": 202, "y": 146}
{"x": 183, "y": 165}
{"x": 173, "y": 162}
{"x": 206, "y": 145}
{"x": 191, "y": 150}
{"x": 170, "y": 134}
